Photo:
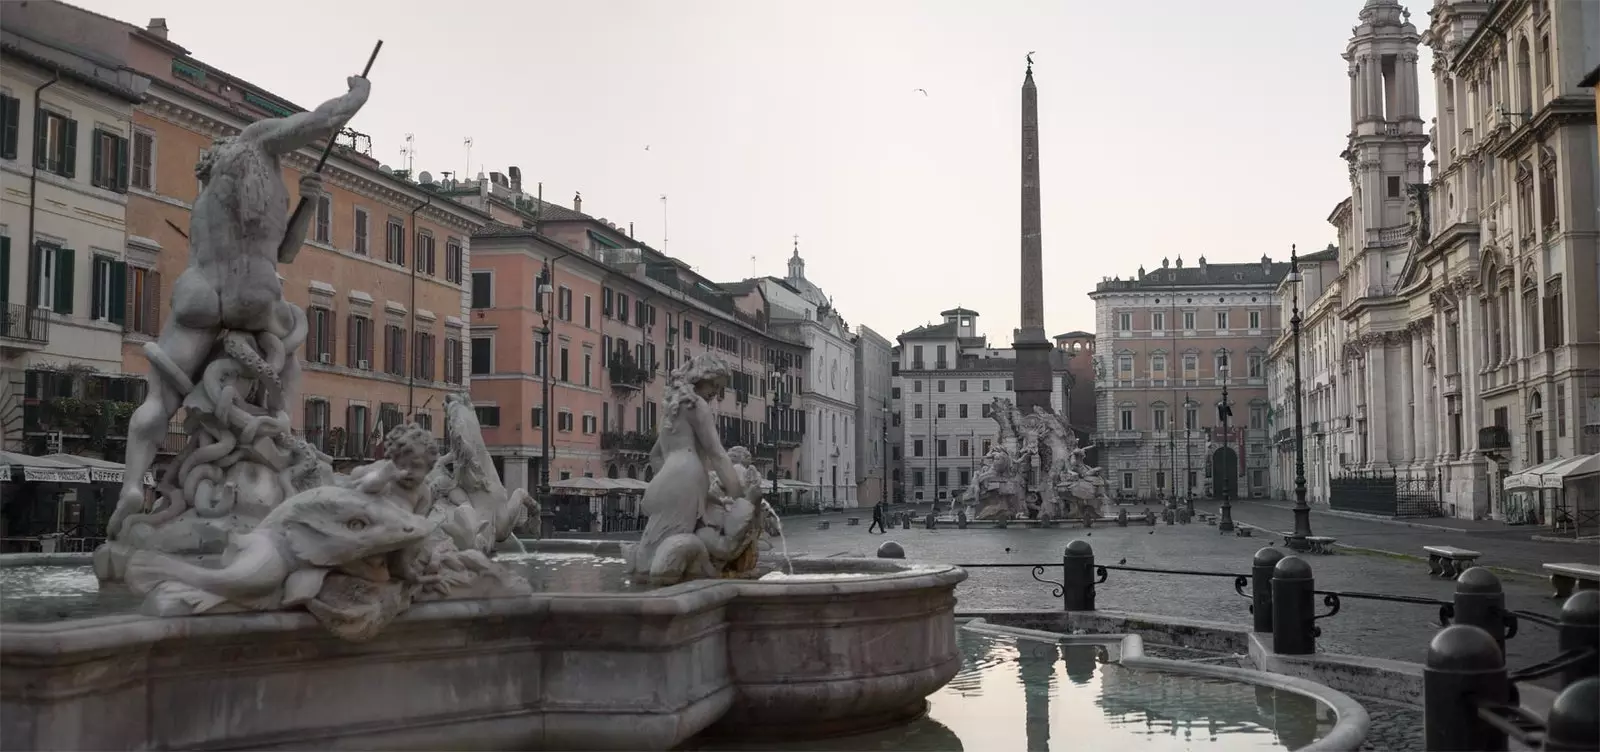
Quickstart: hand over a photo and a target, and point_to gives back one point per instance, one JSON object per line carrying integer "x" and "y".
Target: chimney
{"x": 577, "y": 202}
{"x": 1141, "y": 271}
{"x": 516, "y": 178}
{"x": 1266, "y": 264}
{"x": 1165, "y": 263}
{"x": 1202, "y": 264}
{"x": 158, "y": 27}
{"x": 1180, "y": 262}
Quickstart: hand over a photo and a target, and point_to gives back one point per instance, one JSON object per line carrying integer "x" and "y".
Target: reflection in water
{"x": 1016, "y": 694}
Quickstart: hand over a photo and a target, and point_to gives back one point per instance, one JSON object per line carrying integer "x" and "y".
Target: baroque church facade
{"x": 1451, "y": 337}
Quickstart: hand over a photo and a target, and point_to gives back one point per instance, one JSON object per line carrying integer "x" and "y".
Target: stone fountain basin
{"x": 641, "y": 670}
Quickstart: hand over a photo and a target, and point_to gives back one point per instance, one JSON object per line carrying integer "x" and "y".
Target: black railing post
{"x": 1481, "y": 602}
{"x": 1465, "y": 667}
{"x": 1077, "y": 576}
{"x": 1261, "y": 587}
{"x": 1580, "y": 627}
{"x": 1574, "y": 720}
{"x": 1293, "y": 607}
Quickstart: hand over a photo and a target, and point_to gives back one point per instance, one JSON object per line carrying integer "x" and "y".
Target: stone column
{"x": 1374, "y": 76}
{"x": 1355, "y": 95}
{"x": 1408, "y": 385}
{"x": 1377, "y": 404}
{"x": 1472, "y": 356}
{"x": 1408, "y": 85}
{"x": 1038, "y": 668}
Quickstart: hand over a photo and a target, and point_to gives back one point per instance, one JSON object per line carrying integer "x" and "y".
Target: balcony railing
{"x": 24, "y": 323}
{"x": 627, "y": 373}
{"x": 667, "y": 276}
{"x": 783, "y": 397}
{"x": 782, "y": 437}
{"x": 916, "y": 365}
{"x": 630, "y": 441}
{"x": 941, "y": 364}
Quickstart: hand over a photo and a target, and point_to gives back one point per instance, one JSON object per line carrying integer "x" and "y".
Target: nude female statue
{"x": 686, "y": 452}
{"x": 238, "y": 233}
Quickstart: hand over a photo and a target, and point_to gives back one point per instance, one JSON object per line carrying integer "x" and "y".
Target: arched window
{"x": 633, "y": 471}
{"x": 1524, "y": 78}
{"x": 611, "y": 471}
{"x": 1535, "y": 402}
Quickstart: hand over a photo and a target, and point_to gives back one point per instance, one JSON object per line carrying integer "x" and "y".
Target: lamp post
{"x": 1302, "y": 512}
{"x": 1224, "y": 412}
{"x": 883, "y": 457}
{"x": 543, "y": 291}
{"x": 1188, "y": 458}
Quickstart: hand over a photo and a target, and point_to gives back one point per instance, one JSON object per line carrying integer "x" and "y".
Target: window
{"x": 1127, "y": 420}
{"x": 941, "y": 410}
{"x": 916, "y": 386}
{"x": 482, "y": 356}
{"x": 964, "y": 447}
{"x": 562, "y": 371}
{"x": 894, "y": 392}
{"x": 1392, "y": 186}
{"x": 916, "y": 448}
{"x": 1158, "y": 419}
{"x": 323, "y": 230}
{"x": 55, "y": 141}
{"x": 942, "y": 447}
{"x": 916, "y": 411}
{"x": 144, "y": 302}
{"x": 53, "y": 277}
{"x": 563, "y": 421}
{"x": 422, "y": 356}
{"x": 358, "y": 330}
{"x": 1191, "y": 418}
{"x": 394, "y": 350}
{"x": 1254, "y": 362}
{"x": 488, "y": 415}
{"x": 319, "y": 336}
{"x": 564, "y": 303}
{"x": 941, "y": 385}
{"x": 356, "y": 427}
{"x": 482, "y": 289}
{"x": 588, "y": 367}
{"x": 1125, "y": 322}
{"x": 1222, "y": 319}
{"x": 985, "y": 385}
{"x": 1255, "y": 319}
{"x": 1191, "y": 363}
{"x": 1158, "y": 321}
{"x": 1125, "y": 366}
{"x": 108, "y": 166}
{"x": 452, "y": 260}
{"x": 1161, "y": 479}
{"x": 917, "y": 478}
{"x": 317, "y": 414}
{"x": 395, "y": 242}
{"x": 1158, "y": 366}
{"x": 1127, "y": 481}
{"x": 1188, "y": 320}
{"x": 1008, "y": 385}
{"x": 1258, "y": 478}
{"x": 588, "y": 311}
{"x": 963, "y": 411}
{"x": 109, "y": 288}
{"x": 622, "y": 315}
{"x": 963, "y": 385}
{"x": 363, "y": 228}
{"x": 452, "y": 360}
{"x": 143, "y": 175}
{"x": 537, "y": 418}
{"x": 10, "y": 118}
{"x": 1258, "y": 417}
{"x": 422, "y": 254}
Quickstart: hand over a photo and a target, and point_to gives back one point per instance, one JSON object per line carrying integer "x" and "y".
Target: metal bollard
{"x": 1480, "y": 602}
{"x": 1580, "y": 627}
{"x": 1574, "y": 721}
{"x": 1261, "y": 587}
{"x": 1464, "y": 665}
{"x": 1293, "y": 607}
{"x": 1077, "y": 576}
{"x": 891, "y": 550}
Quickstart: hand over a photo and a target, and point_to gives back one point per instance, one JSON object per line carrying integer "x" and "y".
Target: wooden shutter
{"x": 69, "y": 149}
{"x": 121, "y": 183}
{"x": 350, "y": 355}
{"x": 119, "y": 293}
{"x": 97, "y": 165}
{"x": 152, "y": 302}
{"x": 333, "y": 335}
{"x": 130, "y": 299}
{"x": 5, "y": 269}
{"x": 41, "y": 140}
{"x": 64, "y": 279}
{"x": 10, "y": 112}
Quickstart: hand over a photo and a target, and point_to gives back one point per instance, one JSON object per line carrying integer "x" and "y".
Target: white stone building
{"x": 799, "y": 309}
{"x": 1468, "y": 342}
{"x": 66, "y": 119}
{"x": 873, "y": 382}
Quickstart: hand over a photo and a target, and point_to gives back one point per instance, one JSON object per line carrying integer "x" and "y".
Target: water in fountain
{"x": 776, "y": 520}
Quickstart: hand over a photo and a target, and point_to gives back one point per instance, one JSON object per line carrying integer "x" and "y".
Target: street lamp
{"x": 1224, "y": 412}
{"x": 1302, "y": 512}
{"x": 545, "y": 300}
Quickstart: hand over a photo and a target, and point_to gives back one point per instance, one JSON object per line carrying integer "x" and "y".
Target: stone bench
{"x": 1321, "y": 544}
{"x": 852, "y": 521}
{"x": 1564, "y": 575}
{"x": 823, "y": 525}
{"x": 1449, "y": 561}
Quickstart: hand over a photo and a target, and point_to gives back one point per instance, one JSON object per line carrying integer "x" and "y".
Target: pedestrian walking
{"x": 877, "y": 519}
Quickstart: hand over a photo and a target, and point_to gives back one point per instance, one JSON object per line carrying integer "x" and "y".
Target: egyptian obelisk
{"x": 1032, "y": 374}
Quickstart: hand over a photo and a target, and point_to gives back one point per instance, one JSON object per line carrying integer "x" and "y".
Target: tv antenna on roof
{"x": 408, "y": 153}
{"x": 467, "y": 142}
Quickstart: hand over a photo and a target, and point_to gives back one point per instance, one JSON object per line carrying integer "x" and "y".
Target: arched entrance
{"x": 1225, "y": 473}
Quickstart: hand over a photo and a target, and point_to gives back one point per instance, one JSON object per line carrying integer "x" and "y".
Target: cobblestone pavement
{"x": 1381, "y": 629}
{"x": 1505, "y": 546}
{"x": 1394, "y": 727}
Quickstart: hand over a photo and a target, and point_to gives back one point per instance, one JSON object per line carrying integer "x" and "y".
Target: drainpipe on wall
{"x": 411, "y": 377}
{"x": 32, "y": 294}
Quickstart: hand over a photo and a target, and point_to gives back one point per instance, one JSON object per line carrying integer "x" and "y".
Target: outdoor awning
{"x": 1555, "y": 473}
{"x": 630, "y": 485}
{"x": 585, "y": 486}
{"x": 795, "y": 485}
{"x": 63, "y": 468}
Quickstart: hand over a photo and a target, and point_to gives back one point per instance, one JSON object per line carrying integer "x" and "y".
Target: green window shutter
{"x": 64, "y": 280}
{"x": 35, "y": 268}
{"x": 10, "y": 114}
{"x": 122, "y": 165}
{"x": 97, "y": 284}
{"x": 5, "y": 269}
{"x": 97, "y": 166}
{"x": 119, "y": 292}
{"x": 69, "y": 149}
{"x": 41, "y": 140}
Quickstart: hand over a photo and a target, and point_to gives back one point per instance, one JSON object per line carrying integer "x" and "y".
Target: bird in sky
{"x": 924, "y": 91}
{"x": 647, "y": 147}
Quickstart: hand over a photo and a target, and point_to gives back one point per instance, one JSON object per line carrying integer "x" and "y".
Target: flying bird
{"x": 924, "y": 91}
{"x": 647, "y": 147}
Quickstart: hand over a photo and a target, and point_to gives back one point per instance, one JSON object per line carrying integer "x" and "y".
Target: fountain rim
{"x": 1351, "y": 723}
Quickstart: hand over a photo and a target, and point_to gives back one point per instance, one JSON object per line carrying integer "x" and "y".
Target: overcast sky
{"x": 1167, "y": 127}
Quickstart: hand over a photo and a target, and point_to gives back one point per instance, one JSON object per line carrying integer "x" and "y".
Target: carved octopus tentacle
{"x": 224, "y": 494}
{"x": 174, "y": 506}
{"x": 222, "y": 444}
{"x": 240, "y": 346}
{"x": 272, "y": 350}
{"x": 191, "y": 482}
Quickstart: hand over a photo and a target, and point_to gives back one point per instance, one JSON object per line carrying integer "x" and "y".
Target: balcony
{"x": 941, "y": 364}
{"x": 1491, "y": 438}
{"x": 667, "y": 275}
{"x": 24, "y": 324}
{"x": 631, "y": 442}
{"x": 1452, "y": 384}
{"x": 1118, "y": 437}
{"x": 626, "y": 373}
{"x": 783, "y": 398}
{"x": 782, "y": 437}
{"x": 916, "y": 365}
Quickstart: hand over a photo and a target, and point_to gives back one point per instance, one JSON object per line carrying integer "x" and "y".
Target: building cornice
{"x": 180, "y": 108}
